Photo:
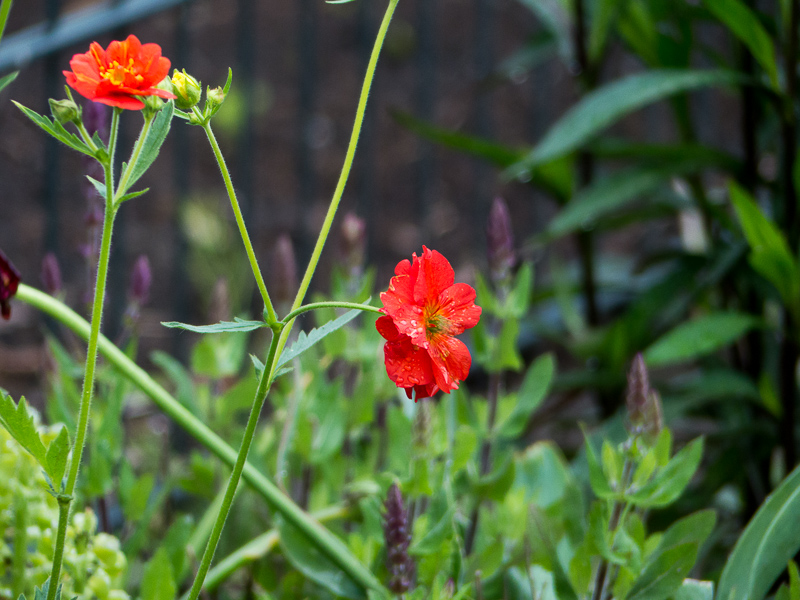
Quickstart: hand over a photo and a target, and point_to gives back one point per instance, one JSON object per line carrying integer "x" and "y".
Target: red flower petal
{"x": 407, "y": 365}
{"x": 457, "y": 305}
{"x": 451, "y": 362}
{"x": 435, "y": 276}
{"x": 120, "y": 74}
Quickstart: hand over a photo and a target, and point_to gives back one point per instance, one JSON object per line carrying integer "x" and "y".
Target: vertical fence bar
{"x": 306, "y": 100}
{"x": 51, "y": 146}
{"x": 365, "y": 161}
{"x": 245, "y": 59}
{"x": 426, "y": 104}
{"x": 483, "y": 61}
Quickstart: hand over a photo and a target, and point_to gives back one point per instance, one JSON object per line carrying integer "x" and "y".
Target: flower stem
{"x": 236, "y": 474}
{"x": 248, "y": 245}
{"x": 65, "y": 497}
{"x": 348, "y": 163}
{"x": 327, "y": 543}
{"x": 318, "y": 305}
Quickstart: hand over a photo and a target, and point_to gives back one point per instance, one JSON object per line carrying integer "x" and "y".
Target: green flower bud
{"x": 153, "y": 104}
{"x": 214, "y": 98}
{"x": 64, "y": 111}
{"x": 187, "y": 89}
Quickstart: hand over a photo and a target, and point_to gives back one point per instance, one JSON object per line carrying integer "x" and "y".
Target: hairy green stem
{"x": 345, "y": 173}
{"x": 259, "y": 547}
{"x": 327, "y": 543}
{"x": 317, "y": 305}
{"x": 233, "y": 482}
{"x": 237, "y": 211}
{"x": 65, "y": 498}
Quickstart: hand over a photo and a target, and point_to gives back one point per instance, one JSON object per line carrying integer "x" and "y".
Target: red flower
{"x": 118, "y": 75}
{"x": 9, "y": 281}
{"x": 424, "y": 310}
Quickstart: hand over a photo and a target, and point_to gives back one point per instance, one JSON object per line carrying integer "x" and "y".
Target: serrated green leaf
{"x": 7, "y": 79}
{"x": 152, "y": 146}
{"x": 767, "y": 544}
{"x": 744, "y": 24}
{"x": 57, "y": 454}
{"x": 533, "y": 390}
{"x": 57, "y": 130}
{"x": 602, "y": 107}
{"x": 305, "y": 341}
{"x": 221, "y": 327}
{"x": 699, "y": 337}
{"x": 19, "y": 422}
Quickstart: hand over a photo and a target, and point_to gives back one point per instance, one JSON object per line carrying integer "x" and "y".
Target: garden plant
{"x": 387, "y": 450}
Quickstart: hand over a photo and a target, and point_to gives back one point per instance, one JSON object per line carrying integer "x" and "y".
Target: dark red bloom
{"x": 425, "y": 309}
{"x": 117, "y": 75}
{"x": 9, "y": 281}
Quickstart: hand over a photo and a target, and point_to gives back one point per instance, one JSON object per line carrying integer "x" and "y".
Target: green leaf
{"x": 533, "y": 391}
{"x": 495, "y": 485}
{"x": 57, "y": 454}
{"x": 305, "y": 557}
{"x": 223, "y": 326}
{"x": 98, "y": 185}
{"x": 606, "y": 105}
{"x": 305, "y": 341}
{"x": 6, "y": 79}
{"x": 57, "y": 130}
{"x": 697, "y": 338}
{"x": 744, "y": 24}
{"x": 132, "y": 195}
{"x": 597, "y": 478}
{"x": 158, "y": 580}
{"x": 770, "y": 254}
{"x": 664, "y": 576}
{"x": 769, "y": 541}
{"x": 519, "y": 298}
{"x": 692, "y": 589}
{"x": 603, "y": 19}
{"x": 692, "y": 529}
{"x": 19, "y": 422}
{"x": 670, "y": 482}
{"x": 611, "y": 194}
{"x": 152, "y": 145}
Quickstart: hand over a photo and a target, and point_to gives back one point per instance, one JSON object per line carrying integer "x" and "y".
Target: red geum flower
{"x": 9, "y": 281}
{"x": 117, "y": 75}
{"x": 424, "y": 310}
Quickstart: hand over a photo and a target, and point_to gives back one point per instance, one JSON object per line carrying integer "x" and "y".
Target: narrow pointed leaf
{"x": 608, "y": 104}
{"x": 221, "y": 327}
{"x": 6, "y": 79}
{"x": 57, "y": 454}
{"x": 768, "y": 542}
{"x": 152, "y": 144}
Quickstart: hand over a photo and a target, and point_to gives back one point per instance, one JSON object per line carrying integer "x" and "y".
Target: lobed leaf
{"x": 57, "y": 130}
{"x": 222, "y": 327}
{"x": 305, "y": 341}
{"x": 19, "y": 422}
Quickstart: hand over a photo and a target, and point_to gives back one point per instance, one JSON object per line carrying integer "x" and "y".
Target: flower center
{"x": 435, "y": 323}
{"x": 116, "y": 73}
